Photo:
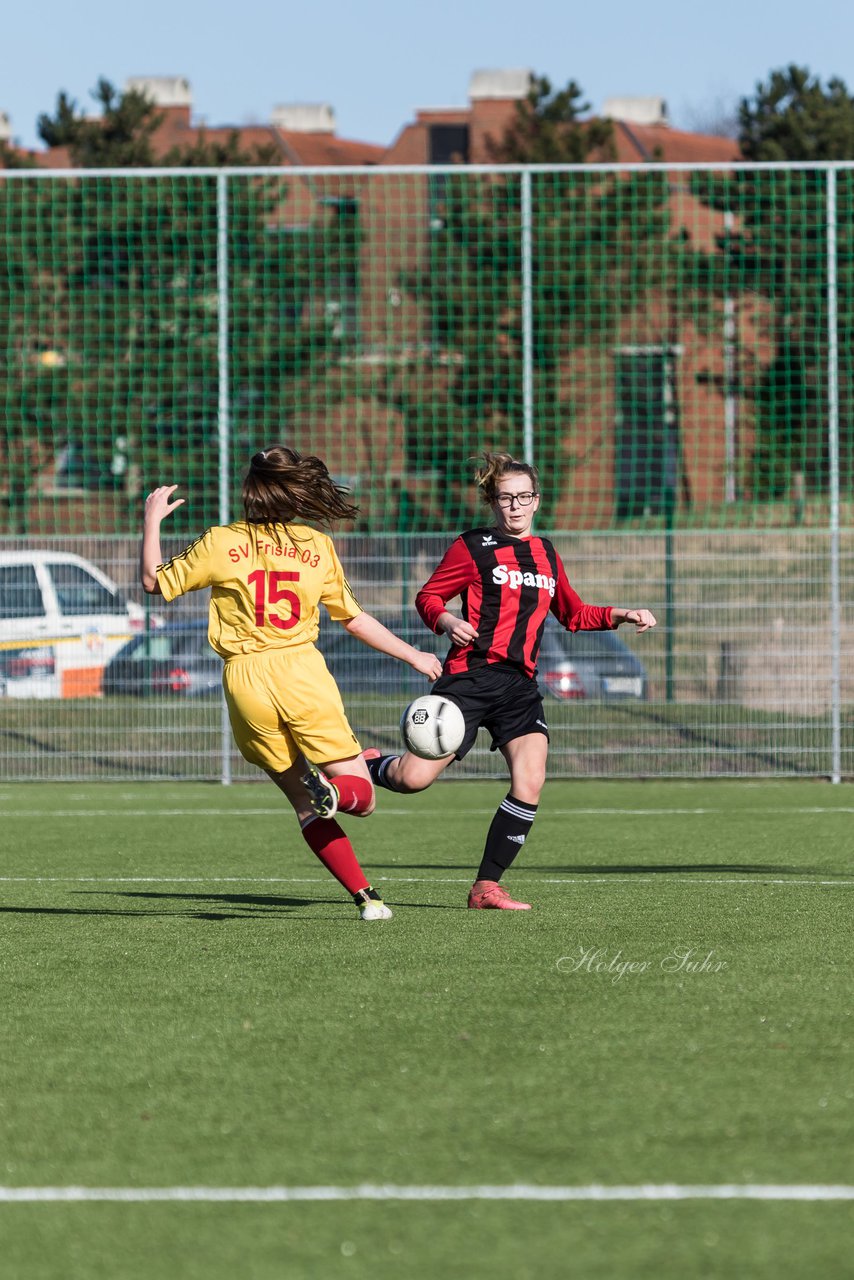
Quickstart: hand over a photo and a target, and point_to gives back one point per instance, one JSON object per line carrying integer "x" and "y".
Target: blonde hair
{"x": 495, "y": 467}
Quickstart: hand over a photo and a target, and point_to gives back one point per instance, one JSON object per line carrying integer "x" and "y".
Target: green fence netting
{"x": 655, "y": 341}
{"x": 671, "y": 347}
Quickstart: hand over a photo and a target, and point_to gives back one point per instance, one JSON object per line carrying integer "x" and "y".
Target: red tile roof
{"x": 634, "y": 143}
{"x": 294, "y": 148}
{"x": 650, "y": 142}
{"x": 291, "y": 147}
{"x": 326, "y": 148}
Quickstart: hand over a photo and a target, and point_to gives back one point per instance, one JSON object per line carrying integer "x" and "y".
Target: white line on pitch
{"x": 413, "y": 812}
{"x": 640, "y": 879}
{"x": 368, "y": 1191}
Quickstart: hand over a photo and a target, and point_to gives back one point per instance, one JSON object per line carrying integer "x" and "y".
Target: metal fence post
{"x": 730, "y": 388}
{"x": 833, "y": 480}
{"x": 223, "y": 415}
{"x": 527, "y": 324}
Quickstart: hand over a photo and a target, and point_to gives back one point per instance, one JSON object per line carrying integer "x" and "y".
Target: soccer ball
{"x": 432, "y": 727}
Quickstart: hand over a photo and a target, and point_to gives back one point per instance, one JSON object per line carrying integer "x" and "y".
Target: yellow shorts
{"x": 283, "y": 703}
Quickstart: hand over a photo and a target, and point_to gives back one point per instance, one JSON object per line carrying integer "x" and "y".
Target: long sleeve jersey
{"x": 507, "y": 587}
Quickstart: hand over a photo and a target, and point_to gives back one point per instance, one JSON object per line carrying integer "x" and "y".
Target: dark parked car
{"x": 583, "y": 664}
{"x": 588, "y": 664}
{"x": 359, "y": 669}
{"x": 177, "y": 659}
{"x": 173, "y": 660}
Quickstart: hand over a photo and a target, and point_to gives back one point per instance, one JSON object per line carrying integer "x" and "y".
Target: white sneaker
{"x": 322, "y": 795}
{"x": 375, "y": 910}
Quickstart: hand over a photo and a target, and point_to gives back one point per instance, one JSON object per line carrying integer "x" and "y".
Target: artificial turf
{"x": 190, "y": 1000}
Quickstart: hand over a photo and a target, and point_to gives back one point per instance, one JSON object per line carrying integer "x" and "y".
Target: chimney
{"x": 5, "y": 128}
{"x": 304, "y": 117}
{"x": 163, "y": 91}
{"x": 636, "y": 110}
{"x": 509, "y": 83}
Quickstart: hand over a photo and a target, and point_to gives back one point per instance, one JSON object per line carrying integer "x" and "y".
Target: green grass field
{"x": 190, "y": 1001}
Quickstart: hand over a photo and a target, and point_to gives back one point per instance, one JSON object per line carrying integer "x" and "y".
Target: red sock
{"x": 354, "y": 793}
{"x": 325, "y": 838}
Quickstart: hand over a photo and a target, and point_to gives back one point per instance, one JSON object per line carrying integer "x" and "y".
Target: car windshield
{"x": 79, "y": 593}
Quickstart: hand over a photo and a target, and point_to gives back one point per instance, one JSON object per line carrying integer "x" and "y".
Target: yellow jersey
{"x": 266, "y": 584}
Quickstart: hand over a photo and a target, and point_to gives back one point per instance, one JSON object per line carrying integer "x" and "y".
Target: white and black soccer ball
{"x": 432, "y": 727}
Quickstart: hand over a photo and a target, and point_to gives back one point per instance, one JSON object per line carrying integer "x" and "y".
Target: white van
{"x": 61, "y": 620}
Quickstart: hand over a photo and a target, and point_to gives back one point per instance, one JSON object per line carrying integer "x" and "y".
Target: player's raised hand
{"x": 642, "y": 619}
{"x": 158, "y": 504}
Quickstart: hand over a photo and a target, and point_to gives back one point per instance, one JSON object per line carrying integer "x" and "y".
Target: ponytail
{"x": 495, "y": 467}
{"x": 283, "y": 486}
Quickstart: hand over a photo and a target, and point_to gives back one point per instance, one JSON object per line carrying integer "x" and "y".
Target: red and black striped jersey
{"x": 507, "y": 586}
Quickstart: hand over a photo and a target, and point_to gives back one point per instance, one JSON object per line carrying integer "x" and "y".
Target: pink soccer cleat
{"x": 488, "y": 895}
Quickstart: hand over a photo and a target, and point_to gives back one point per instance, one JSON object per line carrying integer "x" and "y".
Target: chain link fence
{"x": 671, "y": 347}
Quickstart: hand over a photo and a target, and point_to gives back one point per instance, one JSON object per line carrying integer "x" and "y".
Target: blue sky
{"x": 376, "y": 61}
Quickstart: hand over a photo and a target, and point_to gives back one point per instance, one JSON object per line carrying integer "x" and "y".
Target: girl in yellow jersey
{"x": 267, "y": 575}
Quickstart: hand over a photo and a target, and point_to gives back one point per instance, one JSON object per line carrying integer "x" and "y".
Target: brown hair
{"x": 495, "y": 467}
{"x": 282, "y": 486}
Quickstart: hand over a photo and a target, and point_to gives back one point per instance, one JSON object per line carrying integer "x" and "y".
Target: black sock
{"x": 378, "y": 769}
{"x": 367, "y": 895}
{"x": 507, "y": 833}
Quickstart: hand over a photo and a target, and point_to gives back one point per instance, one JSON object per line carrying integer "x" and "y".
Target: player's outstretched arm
{"x": 158, "y": 505}
{"x": 641, "y": 619}
{"x": 371, "y": 632}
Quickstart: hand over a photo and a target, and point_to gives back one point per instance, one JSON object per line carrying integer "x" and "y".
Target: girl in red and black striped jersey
{"x": 508, "y": 580}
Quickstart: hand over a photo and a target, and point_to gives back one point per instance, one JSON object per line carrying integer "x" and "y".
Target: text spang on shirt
{"x": 514, "y": 579}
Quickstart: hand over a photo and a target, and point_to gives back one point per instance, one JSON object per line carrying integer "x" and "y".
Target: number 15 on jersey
{"x": 269, "y": 591}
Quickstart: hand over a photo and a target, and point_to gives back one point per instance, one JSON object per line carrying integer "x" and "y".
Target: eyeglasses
{"x": 506, "y": 500}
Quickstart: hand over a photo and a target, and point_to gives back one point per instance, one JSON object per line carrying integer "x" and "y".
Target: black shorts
{"x": 499, "y": 698}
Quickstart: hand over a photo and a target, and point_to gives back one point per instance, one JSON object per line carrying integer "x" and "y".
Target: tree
{"x": 794, "y": 117}
{"x": 11, "y": 158}
{"x": 777, "y": 249}
{"x": 209, "y": 153}
{"x": 109, "y": 306}
{"x": 122, "y": 136}
{"x": 597, "y": 240}
{"x": 548, "y": 129}
{"x": 119, "y": 138}
{"x": 716, "y": 117}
